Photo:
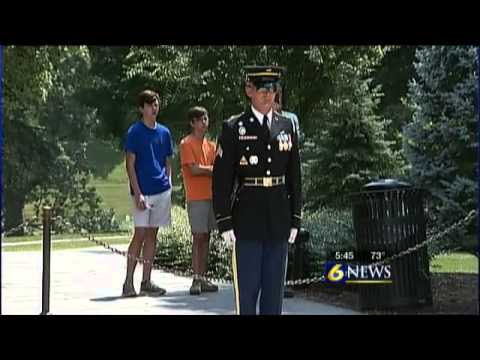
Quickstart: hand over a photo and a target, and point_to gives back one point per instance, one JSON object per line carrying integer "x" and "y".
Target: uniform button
{"x": 248, "y": 148}
{"x": 268, "y": 147}
{"x": 268, "y": 172}
{"x": 269, "y": 160}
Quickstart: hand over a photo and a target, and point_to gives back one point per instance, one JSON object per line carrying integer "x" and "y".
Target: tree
{"x": 47, "y": 131}
{"x": 440, "y": 141}
{"x": 347, "y": 149}
{"x": 393, "y": 74}
{"x": 27, "y": 83}
{"x": 320, "y": 80}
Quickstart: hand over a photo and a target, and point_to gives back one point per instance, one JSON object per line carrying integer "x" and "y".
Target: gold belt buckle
{"x": 267, "y": 182}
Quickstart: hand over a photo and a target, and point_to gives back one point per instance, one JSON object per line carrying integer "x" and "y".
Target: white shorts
{"x": 158, "y": 212}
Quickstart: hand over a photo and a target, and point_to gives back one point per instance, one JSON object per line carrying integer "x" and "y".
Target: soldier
{"x": 257, "y": 194}
{"x": 278, "y": 106}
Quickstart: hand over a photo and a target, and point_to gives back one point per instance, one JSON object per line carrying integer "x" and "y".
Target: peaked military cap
{"x": 268, "y": 77}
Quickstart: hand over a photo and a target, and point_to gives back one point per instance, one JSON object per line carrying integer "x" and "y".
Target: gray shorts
{"x": 158, "y": 212}
{"x": 201, "y": 216}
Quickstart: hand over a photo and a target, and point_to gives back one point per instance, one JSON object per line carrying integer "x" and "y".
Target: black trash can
{"x": 389, "y": 216}
{"x": 298, "y": 266}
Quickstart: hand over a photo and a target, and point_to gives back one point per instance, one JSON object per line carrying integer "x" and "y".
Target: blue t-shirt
{"x": 151, "y": 148}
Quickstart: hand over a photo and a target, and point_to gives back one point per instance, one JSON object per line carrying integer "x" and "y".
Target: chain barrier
{"x": 307, "y": 281}
{"x": 184, "y": 273}
{"x": 428, "y": 241}
{"x": 297, "y": 282}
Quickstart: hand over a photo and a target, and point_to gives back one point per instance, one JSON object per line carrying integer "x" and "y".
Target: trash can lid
{"x": 386, "y": 184}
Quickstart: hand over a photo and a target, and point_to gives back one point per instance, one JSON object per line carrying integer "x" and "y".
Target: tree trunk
{"x": 14, "y": 205}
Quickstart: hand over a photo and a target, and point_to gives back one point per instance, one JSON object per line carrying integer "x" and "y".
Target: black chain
{"x": 187, "y": 273}
{"x": 306, "y": 281}
{"x": 184, "y": 273}
{"x": 429, "y": 240}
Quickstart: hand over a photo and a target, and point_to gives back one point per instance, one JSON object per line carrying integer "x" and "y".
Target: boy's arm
{"x": 132, "y": 177}
{"x": 188, "y": 159}
{"x": 169, "y": 168}
{"x": 197, "y": 169}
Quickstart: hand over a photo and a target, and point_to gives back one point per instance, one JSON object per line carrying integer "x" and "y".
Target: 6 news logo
{"x": 344, "y": 273}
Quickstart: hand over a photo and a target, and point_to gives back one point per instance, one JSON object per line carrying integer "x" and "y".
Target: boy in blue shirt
{"x": 148, "y": 150}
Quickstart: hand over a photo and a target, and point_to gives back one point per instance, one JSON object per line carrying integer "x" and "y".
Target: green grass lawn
{"x": 111, "y": 181}
{"x": 74, "y": 244}
{"x": 455, "y": 263}
{"x": 115, "y": 196}
{"x": 113, "y": 187}
{"x": 110, "y": 178}
{"x": 38, "y": 237}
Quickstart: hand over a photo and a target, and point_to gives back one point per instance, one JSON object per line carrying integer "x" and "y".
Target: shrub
{"x": 330, "y": 230}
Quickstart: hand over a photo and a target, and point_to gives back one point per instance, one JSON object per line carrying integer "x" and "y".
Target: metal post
{"x": 1, "y": 169}
{"x": 478, "y": 149}
{"x": 47, "y": 220}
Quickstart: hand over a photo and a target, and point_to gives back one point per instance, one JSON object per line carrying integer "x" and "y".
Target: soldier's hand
{"x": 229, "y": 237}
{"x": 293, "y": 235}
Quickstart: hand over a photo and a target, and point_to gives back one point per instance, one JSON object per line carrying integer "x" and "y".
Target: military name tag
{"x": 248, "y": 137}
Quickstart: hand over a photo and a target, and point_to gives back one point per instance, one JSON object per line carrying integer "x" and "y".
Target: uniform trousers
{"x": 259, "y": 268}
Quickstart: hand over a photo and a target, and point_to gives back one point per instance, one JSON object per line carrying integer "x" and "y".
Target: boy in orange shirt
{"x": 197, "y": 155}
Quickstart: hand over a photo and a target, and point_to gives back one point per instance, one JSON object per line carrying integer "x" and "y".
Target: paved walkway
{"x": 89, "y": 280}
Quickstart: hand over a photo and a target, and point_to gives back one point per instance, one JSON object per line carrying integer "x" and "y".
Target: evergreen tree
{"x": 348, "y": 148}
{"x": 440, "y": 141}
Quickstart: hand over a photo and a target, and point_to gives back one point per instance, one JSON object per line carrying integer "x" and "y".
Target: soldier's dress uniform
{"x": 257, "y": 193}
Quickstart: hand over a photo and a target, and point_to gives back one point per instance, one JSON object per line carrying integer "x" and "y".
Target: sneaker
{"x": 149, "y": 288}
{"x": 128, "y": 290}
{"x": 207, "y": 286}
{"x": 196, "y": 288}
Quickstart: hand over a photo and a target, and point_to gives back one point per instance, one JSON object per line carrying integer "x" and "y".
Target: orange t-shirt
{"x": 200, "y": 152}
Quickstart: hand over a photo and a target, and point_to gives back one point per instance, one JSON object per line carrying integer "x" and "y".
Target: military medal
{"x": 219, "y": 151}
{"x": 253, "y": 160}
{"x": 243, "y": 161}
{"x": 242, "y": 131}
{"x": 289, "y": 143}
{"x": 283, "y": 143}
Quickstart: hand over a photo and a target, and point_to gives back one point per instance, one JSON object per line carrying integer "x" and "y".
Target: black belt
{"x": 264, "y": 181}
